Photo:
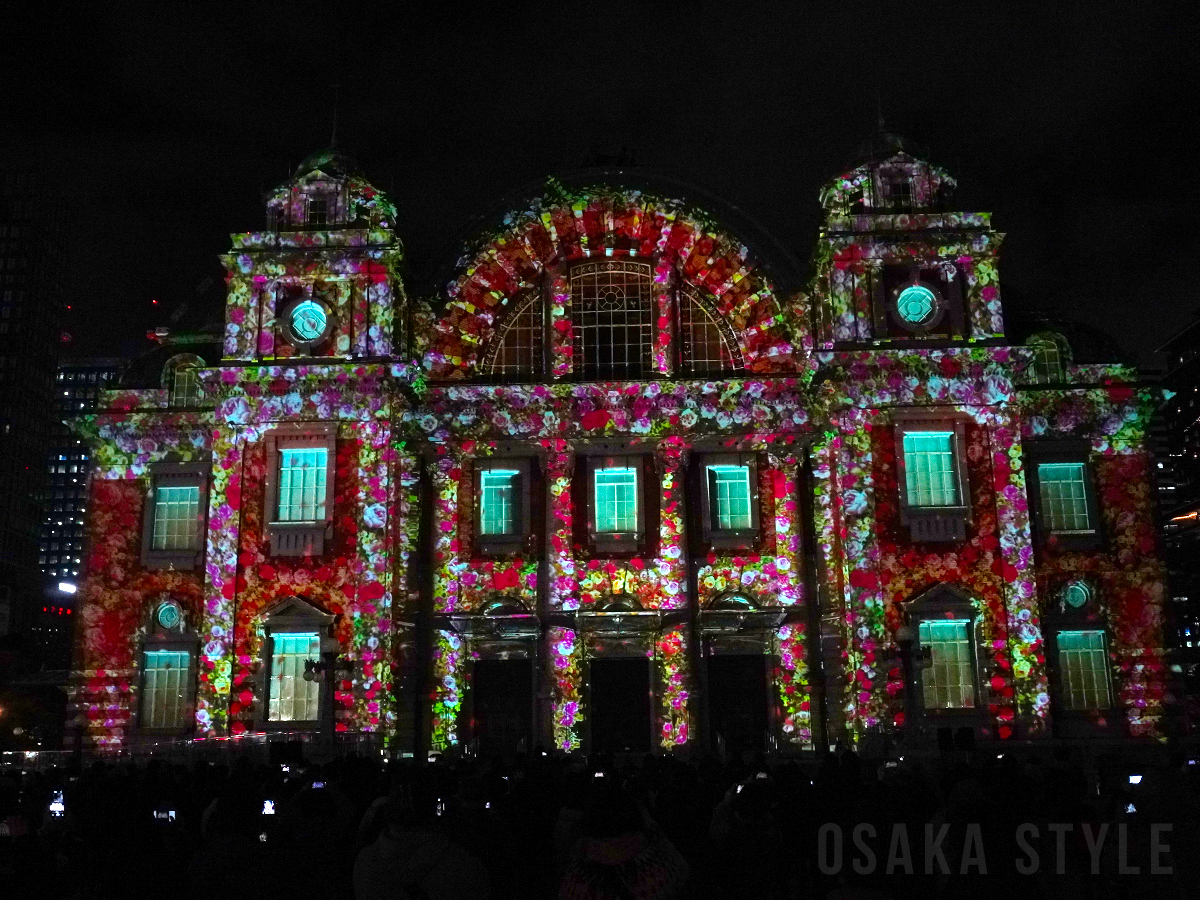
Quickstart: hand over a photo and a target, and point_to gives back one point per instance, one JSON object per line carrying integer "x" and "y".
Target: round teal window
{"x": 309, "y": 320}
{"x": 1077, "y": 594}
{"x": 168, "y": 614}
{"x": 916, "y": 305}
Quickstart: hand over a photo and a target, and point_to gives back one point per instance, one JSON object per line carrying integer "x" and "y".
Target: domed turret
{"x": 331, "y": 162}
{"x": 887, "y": 178}
{"x": 328, "y": 191}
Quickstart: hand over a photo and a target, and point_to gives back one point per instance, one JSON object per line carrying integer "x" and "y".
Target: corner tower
{"x": 323, "y": 279}
{"x": 896, "y": 267}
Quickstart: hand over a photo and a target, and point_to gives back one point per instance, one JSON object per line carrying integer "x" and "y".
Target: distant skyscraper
{"x": 31, "y": 303}
{"x": 77, "y": 390}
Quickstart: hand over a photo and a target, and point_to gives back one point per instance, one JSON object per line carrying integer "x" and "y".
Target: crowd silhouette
{"x": 649, "y": 827}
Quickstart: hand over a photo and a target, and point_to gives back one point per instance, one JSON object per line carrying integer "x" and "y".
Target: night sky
{"x": 1073, "y": 126}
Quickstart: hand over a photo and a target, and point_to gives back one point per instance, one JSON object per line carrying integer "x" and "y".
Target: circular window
{"x": 917, "y": 306}
{"x": 1077, "y": 594}
{"x": 309, "y": 321}
{"x": 169, "y": 615}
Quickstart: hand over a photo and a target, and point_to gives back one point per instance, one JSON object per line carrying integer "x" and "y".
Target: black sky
{"x": 1072, "y": 123}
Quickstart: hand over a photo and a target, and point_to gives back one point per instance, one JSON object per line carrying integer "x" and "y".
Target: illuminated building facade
{"x": 622, "y": 486}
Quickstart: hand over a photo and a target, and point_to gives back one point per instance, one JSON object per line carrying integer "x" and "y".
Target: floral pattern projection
{"x": 876, "y": 569}
{"x": 118, "y": 594}
{"x": 355, "y": 580}
{"x": 1130, "y": 581}
{"x": 684, "y": 243}
{"x": 666, "y": 415}
{"x": 356, "y": 270}
{"x": 861, "y": 237}
{"x": 402, "y": 430}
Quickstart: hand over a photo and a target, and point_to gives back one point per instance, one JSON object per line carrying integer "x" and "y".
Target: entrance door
{"x": 737, "y": 705}
{"x": 503, "y": 704}
{"x": 620, "y": 704}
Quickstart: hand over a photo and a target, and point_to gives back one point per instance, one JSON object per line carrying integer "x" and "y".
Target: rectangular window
{"x": 318, "y": 211}
{"x": 185, "y": 386}
{"x": 1063, "y": 489}
{"x": 1083, "y": 667}
{"x": 165, "y": 682}
{"x": 302, "y": 484}
{"x": 292, "y": 699}
{"x": 176, "y": 518}
{"x": 949, "y": 682}
{"x": 172, "y": 517}
{"x": 498, "y": 501}
{"x": 616, "y": 500}
{"x": 729, "y": 496}
{"x": 930, "y": 472}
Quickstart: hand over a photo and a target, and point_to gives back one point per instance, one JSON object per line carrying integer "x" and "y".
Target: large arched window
{"x": 612, "y": 316}
{"x": 516, "y": 349}
{"x": 707, "y": 343}
{"x": 1050, "y": 356}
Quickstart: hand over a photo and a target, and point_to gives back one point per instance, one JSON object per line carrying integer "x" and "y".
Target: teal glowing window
{"x": 616, "y": 500}
{"x": 302, "y": 475}
{"x": 176, "y": 518}
{"x": 308, "y": 320}
{"x": 1063, "y": 492}
{"x": 165, "y": 685}
{"x": 930, "y": 474}
{"x": 498, "y": 501}
{"x": 949, "y": 680}
{"x": 292, "y": 699}
{"x": 916, "y": 304}
{"x": 729, "y": 497}
{"x": 1083, "y": 669}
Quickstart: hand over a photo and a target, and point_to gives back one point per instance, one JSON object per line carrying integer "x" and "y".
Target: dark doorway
{"x": 503, "y": 705}
{"x": 737, "y": 691}
{"x": 620, "y": 701}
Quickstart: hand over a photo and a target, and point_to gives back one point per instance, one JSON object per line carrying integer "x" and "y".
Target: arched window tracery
{"x": 612, "y": 313}
{"x": 516, "y": 349}
{"x": 181, "y": 380}
{"x": 1050, "y": 357}
{"x": 707, "y": 342}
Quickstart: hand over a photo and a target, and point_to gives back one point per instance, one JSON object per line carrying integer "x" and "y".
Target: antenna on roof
{"x": 879, "y": 110}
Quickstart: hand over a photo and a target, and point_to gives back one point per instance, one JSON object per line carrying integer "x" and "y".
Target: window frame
{"x": 636, "y": 268}
{"x": 504, "y": 544}
{"x": 1060, "y": 684}
{"x": 174, "y": 474}
{"x": 297, "y": 341}
{"x": 617, "y": 541}
{"x": 305, "y": 538}
{"x": 714, "y": 536}
{"x": 1036, "y": 343}
{"x": 311, "y": 202}
{"x": 531, "y": 303}
{"x": 934, "y": 524}
{"x": 295, "y": 615}
{"x": 945, "y": 603}
{"x": 889, "y": 278}
{"x": 179, "y": 639}
{"x": 1038, "y": 453}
